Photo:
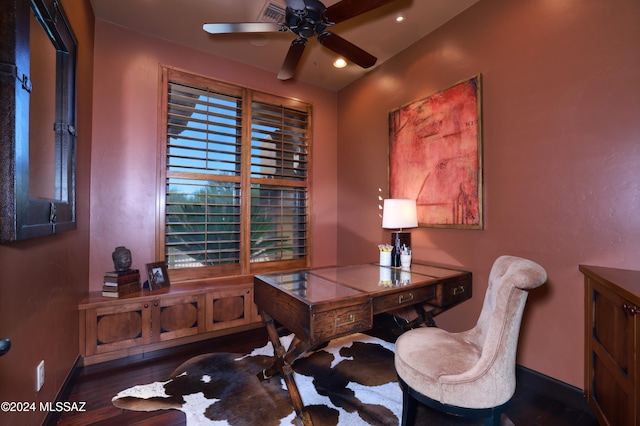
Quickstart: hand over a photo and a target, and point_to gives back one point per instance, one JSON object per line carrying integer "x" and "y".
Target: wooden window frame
{"x": 245, "y": 266}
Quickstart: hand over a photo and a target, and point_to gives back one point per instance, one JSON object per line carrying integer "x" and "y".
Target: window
{"x": 235, "y": 178}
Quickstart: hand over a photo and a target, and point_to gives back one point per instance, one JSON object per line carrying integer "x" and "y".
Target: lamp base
{"x": 398, "y": 240}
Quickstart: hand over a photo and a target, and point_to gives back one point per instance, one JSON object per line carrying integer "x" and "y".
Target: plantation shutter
{"x": 236, "y": 184}
{"x": 203, "y": 177}
{"x": 279, "y": 171}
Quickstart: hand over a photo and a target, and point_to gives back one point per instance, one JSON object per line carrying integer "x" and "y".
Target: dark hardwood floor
{"x": 97, "y": 384}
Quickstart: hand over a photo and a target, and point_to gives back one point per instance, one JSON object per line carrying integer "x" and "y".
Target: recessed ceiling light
{"x": 400, "y": 18}
{"x": 340, "y": 63}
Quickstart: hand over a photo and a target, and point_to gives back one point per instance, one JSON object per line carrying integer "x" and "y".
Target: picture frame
{"x": 157, "y": 275}
{"x": 435, "y": 156}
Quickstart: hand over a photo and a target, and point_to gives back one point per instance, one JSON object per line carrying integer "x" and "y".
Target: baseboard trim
{"x": 64, "y": 393}
{"x": 569, "y": 395}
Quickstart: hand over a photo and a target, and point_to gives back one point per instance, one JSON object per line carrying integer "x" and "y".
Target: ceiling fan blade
{"x": 244, "y": 27}
{"x": 296, "y": 4}
{"x": 347, "y": 49}
{"x": 347, "y": 9}
{"x": 292, "y": 59}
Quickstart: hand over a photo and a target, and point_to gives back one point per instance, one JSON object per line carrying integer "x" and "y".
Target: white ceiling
{"x": 377, "y": 32}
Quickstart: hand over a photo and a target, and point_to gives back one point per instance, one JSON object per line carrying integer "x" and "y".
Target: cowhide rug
{"x": 352, "y": 381}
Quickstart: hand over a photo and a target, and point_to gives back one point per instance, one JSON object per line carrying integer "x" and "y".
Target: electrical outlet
{"x": 40, "y": 375}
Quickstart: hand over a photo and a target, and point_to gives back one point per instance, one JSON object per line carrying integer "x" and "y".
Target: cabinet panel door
{"x": 612, "y": 357}
{"x": 178, "y": 317}
{"x": 229, "y": 308}
{"x": 117, "y": 327}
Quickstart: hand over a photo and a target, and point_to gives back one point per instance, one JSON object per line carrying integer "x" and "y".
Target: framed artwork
{"x": 435, "y": 156}
{"x": 157, "y": 275}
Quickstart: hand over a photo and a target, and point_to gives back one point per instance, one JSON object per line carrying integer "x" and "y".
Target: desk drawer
{"x": 406, "y": 297}
{"x": 451, "y": 293}
{"x": 341, "y": 321}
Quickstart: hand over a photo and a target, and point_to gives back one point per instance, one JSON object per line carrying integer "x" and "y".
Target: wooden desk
{"x": 318, "y": 305}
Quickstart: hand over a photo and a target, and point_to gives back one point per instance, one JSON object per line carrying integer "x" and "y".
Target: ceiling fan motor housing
{"x": 308, "y": 22}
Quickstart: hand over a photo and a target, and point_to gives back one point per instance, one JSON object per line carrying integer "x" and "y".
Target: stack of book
{"x": 121, "y": 283}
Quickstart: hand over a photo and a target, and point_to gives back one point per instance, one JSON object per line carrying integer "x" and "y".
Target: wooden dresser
{"x": 612, "y": 344}
{"x": 145, "y": 321}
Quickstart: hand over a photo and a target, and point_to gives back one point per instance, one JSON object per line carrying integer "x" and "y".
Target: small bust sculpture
{"x": 121, "y": 258}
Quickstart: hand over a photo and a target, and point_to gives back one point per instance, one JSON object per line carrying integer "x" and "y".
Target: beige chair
{"x": 471, "y": 373}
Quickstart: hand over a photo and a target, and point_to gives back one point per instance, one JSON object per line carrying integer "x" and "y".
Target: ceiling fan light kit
{"x": 340, "y": 63}
{"x": 306, "y": 19}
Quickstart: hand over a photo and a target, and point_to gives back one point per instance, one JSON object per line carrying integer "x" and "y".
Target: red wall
{"x": 125, "y": 143}
{"x": 44, "y": 278}
{"x": 561, "y": 81}
{"x": 561, "y": 159}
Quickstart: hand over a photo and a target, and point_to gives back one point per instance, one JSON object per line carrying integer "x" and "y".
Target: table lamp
{"x": 399, "y": 213}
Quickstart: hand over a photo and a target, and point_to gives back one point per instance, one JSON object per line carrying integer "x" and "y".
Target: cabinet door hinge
{"x": 52, "y": 216}
{"x": 64, "y": 127}
{"x": 12, "y": 70}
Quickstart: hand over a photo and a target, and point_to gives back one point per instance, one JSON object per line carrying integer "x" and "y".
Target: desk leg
{"x": 427, "y": 316}
{"x": 422, "y": 317}
{"x": 283, "y": 366}
{"x": 296, "y": 349}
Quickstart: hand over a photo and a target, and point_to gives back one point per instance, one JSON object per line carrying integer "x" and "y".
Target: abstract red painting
{"x": 435, "y": 156}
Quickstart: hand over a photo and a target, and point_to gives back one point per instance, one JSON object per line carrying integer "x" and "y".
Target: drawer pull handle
{"x": 457, "y": 290}
{"x": 350, "y": 320}
{"x": 402, "y": 299}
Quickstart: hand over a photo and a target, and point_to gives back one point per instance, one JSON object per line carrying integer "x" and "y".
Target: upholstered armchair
{"x": 471, "y": 373}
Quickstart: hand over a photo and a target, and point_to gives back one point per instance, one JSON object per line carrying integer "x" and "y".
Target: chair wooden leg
{"x": 492, "y": 421}
{"x": 495, "y": 416}
{"x": 409, "y": 408}
{"x": 495, "y": 419}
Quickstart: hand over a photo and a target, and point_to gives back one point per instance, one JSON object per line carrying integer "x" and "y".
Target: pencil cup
{"x": 385, "y": 258}
{"x": 405, "y": 261}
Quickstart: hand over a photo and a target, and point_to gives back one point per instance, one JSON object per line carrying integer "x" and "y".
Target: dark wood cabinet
{"x": 612, "y": 344}
{"x": 146, "y": 321}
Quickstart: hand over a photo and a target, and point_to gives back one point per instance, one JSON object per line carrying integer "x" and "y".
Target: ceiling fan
{"x": 308, "y": 18}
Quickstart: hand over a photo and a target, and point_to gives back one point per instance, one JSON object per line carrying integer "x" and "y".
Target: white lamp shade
{"x": 399, "y": 213}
